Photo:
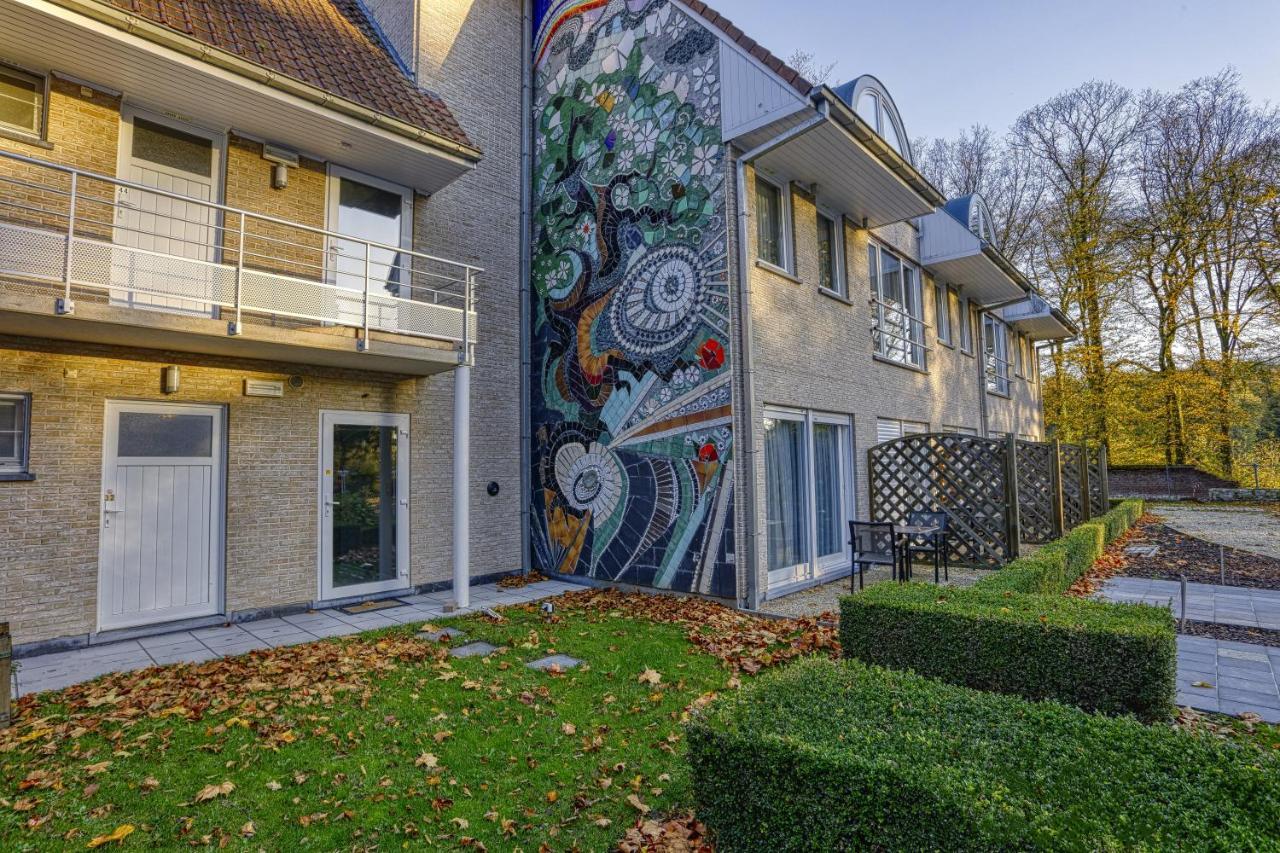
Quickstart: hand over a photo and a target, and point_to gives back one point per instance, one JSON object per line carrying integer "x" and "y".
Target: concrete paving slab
{"x": 471, "y": 650}
{"x": 564, "y": 662}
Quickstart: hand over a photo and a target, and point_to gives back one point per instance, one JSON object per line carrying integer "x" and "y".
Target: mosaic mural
{"x": 630, "y": 329}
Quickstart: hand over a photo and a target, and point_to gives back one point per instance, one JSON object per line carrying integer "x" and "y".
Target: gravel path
{"x": 817, "y": 600}
{"x": 1248, "y": 528}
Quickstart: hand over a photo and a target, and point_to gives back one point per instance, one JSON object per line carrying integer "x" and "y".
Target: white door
{"x": 364, "y": 503}
{"x": 380, "y": 212}
{"x": 160, "y": 554}
{"x": 172, "y": 243}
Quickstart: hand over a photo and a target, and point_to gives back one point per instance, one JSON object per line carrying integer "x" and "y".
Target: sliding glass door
{"x": 808, "y": 496}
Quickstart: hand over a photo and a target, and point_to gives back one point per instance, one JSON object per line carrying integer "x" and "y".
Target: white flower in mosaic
{"x": 590, "y": 479}
{"x": 703, "y": 79}
{"x": 625, "y": 160}
{"x": 645, "y": 138}
{"x": 706, "y": 158}
{"x": 622, "y": 196}
{"x": 675, "y": 83}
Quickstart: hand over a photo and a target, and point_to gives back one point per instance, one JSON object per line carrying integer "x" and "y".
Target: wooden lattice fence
{"x": 996, "y": 493}
{"x": 1039, "y": 504}
{"x": 964, "y": 476}
{"x": 1097, "y": 480}
{"x": 1075, "y": 506}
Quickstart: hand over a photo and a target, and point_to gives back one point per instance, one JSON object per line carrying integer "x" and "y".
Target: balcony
{"x": 85, "y": 257}
{"x": 1039, "y": 320}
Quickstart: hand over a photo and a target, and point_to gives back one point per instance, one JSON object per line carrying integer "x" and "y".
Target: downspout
{"x": 981, "y": 343}
{"x": 526, "y": 263}
{"x": 746, "y": 338}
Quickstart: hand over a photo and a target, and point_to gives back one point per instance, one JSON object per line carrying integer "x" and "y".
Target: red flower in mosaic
{"x": 711, "y": 354}
{"x": 708, "y": 453}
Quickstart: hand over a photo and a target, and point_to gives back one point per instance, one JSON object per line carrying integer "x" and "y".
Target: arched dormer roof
{"x": 972, "y": 212}
{"x": 873, "y": 104}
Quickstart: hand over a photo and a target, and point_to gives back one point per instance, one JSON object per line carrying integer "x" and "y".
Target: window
{"x": 887, "y": 429}
{"x": 876, "y": 108}
{"x": 15, "y": 435}
{"x": 898, "y": 333}
{"x": 771, "y": 224}
{"x": 830, "y": 254}
{"x": 808, "y": 495}
{"x": 22, "y": 102}
{"x": 996, "y": 348}
{"x": 942, "y": 312}
{"x": 959, "y": 430}
{"x": 368, "y": 208}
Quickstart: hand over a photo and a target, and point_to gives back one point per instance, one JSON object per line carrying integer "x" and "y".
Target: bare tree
{"x": 1240, "y": 148}
{"x": 1006, "y": 177}
{"x": 1083, "y": 141}
{"x": 810, "y": 68}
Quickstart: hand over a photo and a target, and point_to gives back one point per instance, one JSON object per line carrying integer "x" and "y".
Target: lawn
{"x": 383, "y": 739}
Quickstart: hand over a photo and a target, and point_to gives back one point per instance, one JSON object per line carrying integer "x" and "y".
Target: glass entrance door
{"x": 364, "y": 503}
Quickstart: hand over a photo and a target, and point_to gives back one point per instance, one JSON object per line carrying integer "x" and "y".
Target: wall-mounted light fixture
{"x": 283, "y": 160}
{"x": 170, "y": 378}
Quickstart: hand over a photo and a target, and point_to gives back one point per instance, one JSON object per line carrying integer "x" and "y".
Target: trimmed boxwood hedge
{"x": 1113, "y": 658}
{"x": 1016, "y": 633}
{"x": 841, "y": 756}
{"x": 1053, "y": 568}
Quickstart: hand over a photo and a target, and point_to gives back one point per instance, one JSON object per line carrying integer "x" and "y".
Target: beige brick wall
{"x": 268, "y": 246}
{"x": 812, "y": 351}
{"x": 49, "y": 527}
{"x": 83, "y": 131}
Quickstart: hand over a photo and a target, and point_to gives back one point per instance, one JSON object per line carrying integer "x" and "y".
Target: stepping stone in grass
{"x": 436, "y": 635}
{"x": 563, "y": 662}
{"x": 471, "y": 650}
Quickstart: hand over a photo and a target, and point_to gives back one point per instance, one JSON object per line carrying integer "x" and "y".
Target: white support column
{"x": 461, "y": 486}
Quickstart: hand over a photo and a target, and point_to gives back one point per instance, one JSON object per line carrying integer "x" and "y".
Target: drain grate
{"x": 371, "y": 606}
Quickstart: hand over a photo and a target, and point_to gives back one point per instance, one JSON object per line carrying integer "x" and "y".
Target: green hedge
{"x": 1053, "y": 568}
{"x": 1113, "y": 658}
{"x": 840, "y": 756}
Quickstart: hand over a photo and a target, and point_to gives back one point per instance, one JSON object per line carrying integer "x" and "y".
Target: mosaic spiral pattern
{"x": 631, "y": 400}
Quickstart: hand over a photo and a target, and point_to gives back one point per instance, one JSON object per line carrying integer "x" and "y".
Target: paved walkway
{"x": 1233, "y": 678}
{"x": 1226, "y": 605}
{"x": 1248, "y": 528}
{"x": 62, "y": 669}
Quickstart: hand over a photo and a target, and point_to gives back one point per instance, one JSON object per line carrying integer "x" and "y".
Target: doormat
{"x": 370, "y": 606}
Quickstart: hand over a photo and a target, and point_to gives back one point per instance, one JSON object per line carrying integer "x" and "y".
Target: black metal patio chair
{"x": 875, "y": 543}
{"x": 936, "y": 546}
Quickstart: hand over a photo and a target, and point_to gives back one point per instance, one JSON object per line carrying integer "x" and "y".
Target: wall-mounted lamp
{"x": 170, "y": 378}
{"x": 283, "y": 160}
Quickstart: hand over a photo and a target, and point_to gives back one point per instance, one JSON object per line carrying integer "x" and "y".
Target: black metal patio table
{"x": 907, "y": 532}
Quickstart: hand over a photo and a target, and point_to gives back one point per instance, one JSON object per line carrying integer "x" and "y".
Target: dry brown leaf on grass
{"x": 121, "y": 832}
{"x": 650, "y": 676}
{"x": 569, "y": 729}
{"x": 638, "y": 804}
{"x": 426, "y": 759}
{"x": 678, "y": 834}
{"x": 211, "y": 792}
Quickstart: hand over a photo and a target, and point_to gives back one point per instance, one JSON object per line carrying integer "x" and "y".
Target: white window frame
{"x": 18, "y": 466}
{"x": 893, "y": 345}
{"x": 41, "y": 81}
{"x": 959, "y": 430}
{"x": 995, "y": 339}
{"x": 816, "y": 569}
{"x": 942, "y": 314}
{"x": 786, "y": 256}
{"x": 965, "y": 325}
{"x": 333, "y": 191}
{"x": 839, "y": 278}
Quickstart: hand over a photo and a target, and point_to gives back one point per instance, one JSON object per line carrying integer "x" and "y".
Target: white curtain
{"x": 829, "y": 488}
{"x": 787, "y": 532}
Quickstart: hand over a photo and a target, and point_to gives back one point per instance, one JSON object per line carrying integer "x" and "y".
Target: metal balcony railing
{"x": 151, "y": 247}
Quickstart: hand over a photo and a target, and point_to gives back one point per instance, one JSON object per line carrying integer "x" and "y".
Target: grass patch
{"x": 370, "y": 741}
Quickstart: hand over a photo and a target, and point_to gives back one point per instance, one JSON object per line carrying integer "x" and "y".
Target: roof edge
{"x": 104, "y": 12}
{"x": 892, "y": 160}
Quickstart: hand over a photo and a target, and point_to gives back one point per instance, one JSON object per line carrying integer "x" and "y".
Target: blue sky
{"x": 950, "y": 64}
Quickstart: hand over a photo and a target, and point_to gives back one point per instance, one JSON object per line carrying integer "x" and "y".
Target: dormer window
{"x": 871, "y": 101}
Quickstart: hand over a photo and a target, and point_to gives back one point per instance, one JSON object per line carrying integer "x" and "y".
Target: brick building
{"x": 309, "y": 301}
